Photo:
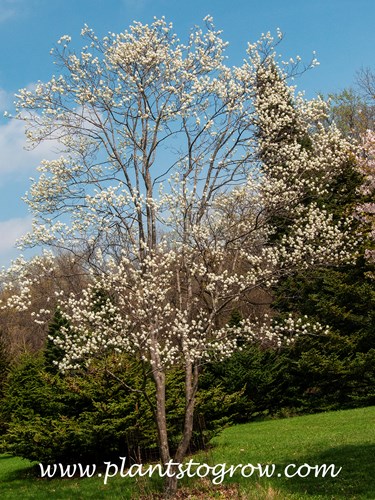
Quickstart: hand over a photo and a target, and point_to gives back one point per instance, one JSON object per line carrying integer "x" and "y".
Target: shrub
{"x": 91, "y": 416}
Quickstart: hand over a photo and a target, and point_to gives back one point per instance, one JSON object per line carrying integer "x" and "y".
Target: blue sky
{"x": 340, "y": 31}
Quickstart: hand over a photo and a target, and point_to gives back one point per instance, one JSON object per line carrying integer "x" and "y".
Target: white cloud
{"x": 9, "y": 9}
{"x": 136, "y": 5}
{"x": 14, "y": 9}
{"x": 14, "y": 158}
{"x": 10, "y": 231}
{"x": 5, "y": 100}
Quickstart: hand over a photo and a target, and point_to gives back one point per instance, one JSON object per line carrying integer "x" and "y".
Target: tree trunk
{"x": 170, "y": 483}
{"x": 191, "y": 386}
{"x": 170, "y": 486}
{"x": 161, "y": 417}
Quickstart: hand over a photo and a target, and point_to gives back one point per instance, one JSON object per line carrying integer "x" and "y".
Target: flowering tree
{"x": 174, "y": 174}
{"x": 366, "y": 210}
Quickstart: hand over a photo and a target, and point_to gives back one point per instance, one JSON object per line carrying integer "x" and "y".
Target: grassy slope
{"x": 345, "y": 438}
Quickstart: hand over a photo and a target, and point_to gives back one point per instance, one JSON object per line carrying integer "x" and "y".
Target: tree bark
{"x": 161, "y": 417}
{"x": 170, "y": 483}
{"x": 191, "y": 386}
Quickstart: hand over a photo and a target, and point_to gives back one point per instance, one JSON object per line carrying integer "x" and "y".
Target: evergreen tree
{"x": 53, "y": 353}
{"x": 323, "y": 372}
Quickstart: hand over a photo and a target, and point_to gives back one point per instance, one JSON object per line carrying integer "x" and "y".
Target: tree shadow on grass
{"x": 16, "y": 475}
{"x": 355, "y": 480}
{"x": 23, "y": 471}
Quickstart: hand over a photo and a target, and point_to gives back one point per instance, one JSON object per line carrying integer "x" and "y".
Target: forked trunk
{"x": 191, "y": 385}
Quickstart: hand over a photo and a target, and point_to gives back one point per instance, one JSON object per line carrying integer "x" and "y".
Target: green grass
{"x": 344, "y": 438}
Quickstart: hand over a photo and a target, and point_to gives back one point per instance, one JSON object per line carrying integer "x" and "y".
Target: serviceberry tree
{"x": 171, "y": 184}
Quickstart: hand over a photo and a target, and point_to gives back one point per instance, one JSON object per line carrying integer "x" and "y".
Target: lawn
{"x": 343, "y": 438}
